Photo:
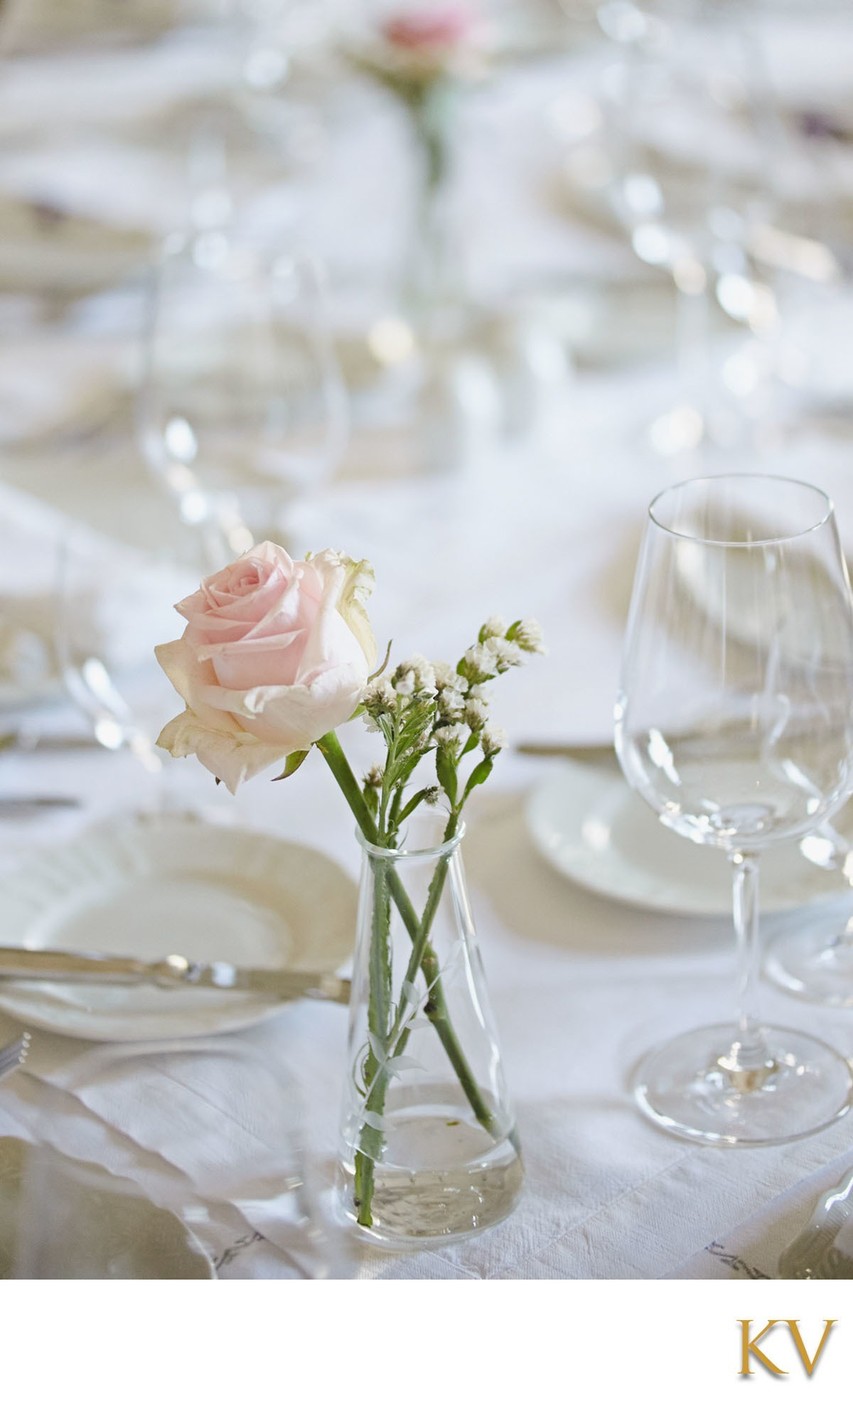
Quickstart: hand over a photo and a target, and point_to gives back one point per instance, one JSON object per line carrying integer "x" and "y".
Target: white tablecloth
{"x": 580, "y": 985}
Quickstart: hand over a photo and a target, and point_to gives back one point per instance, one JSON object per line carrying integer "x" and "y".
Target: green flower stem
{"x": 330, "y": 748}
{"x": 429, "y": 111}
{"x": 370, "y": 1141}
{"x": 378, "y": 1013}
{"x": 421, "y": 959}
{"x": 436, "y": 1009}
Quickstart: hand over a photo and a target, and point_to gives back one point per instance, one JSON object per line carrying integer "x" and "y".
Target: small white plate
{"x": 151, "y": 886}
{"x": 590, "y": 824}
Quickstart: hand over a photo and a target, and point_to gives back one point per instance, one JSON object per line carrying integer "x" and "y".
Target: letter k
{"x": 750, "y": 1347}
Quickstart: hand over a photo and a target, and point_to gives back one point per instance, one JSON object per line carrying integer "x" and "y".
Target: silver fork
{"x": 14, "y": 1054}
{"x": 813, "y": 1254}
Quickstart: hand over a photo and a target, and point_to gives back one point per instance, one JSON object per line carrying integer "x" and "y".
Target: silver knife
{"x": 586, "y": 753}
{"x": 19, "y": 963}
{"x": 32, "y": 804}
{"x": 28, "y": 740}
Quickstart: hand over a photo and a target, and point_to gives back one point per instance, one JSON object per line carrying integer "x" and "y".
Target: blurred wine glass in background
{"x": 691, "y": 135}
{"x": 241, "y": 408}
{"x": 809, "y": 248}
{"x": 254, "y": 148}
{"x": 112, "y": 607}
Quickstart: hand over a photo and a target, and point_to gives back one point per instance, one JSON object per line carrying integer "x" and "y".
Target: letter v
{"x": 809, "y": 1365}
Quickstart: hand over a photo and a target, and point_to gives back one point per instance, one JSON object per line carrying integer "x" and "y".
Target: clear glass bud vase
{"x": 432, "y": 295}
{"x": 429, "y": 1148}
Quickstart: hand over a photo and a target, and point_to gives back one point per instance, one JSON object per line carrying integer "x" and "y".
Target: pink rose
{"x": 428, "y": 29}
{"x": 275, "y": 654}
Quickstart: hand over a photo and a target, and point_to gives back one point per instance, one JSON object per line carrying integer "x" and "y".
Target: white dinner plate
{"x": 152, "y": 886}
{"x": 591, "y": 825}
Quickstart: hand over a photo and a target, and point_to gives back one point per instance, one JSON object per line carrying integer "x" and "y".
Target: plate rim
{"x": 245, "y": 1009}
{"x": 573, "y": 771}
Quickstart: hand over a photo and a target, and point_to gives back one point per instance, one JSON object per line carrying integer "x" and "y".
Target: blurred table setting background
{"x": 457, "y": 289}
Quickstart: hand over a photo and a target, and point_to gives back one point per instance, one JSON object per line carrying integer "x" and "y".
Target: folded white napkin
{"x": 806, "y": 55}
{"x": 95, "y": 179}
{"x": 110, "y": 86}
{"x": 28, "y": 21}
{"x": 52, "y": 385}
{"x": 46, "y": 246}
{"x": 212, "y": 1135}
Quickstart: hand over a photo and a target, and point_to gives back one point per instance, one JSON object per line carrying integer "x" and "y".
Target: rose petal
{"x": 232, "y": 758}
{"x": 292, "y": 716}
{"x": 190, "y": 678}
{"x": 243, "y": 664}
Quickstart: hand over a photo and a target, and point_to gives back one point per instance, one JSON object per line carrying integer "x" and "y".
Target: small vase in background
{"x": 427, "y": 58}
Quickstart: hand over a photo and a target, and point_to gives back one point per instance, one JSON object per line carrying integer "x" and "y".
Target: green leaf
{"x": 394, "y": 810}
{"x": 414, "y": 802}
{"x": 384, "y": 666}
{"x": 417, "y": 718}
{"x": 292, "y": 763}
{"x": 402, "y": 768}
{"x": 445, "y": 768}
{"x": 478, "y": 776}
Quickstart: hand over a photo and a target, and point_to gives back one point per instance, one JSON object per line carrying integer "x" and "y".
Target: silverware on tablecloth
{"x": 30, "y": 803}
{"x": 814, "y": 1255}
{"x": 603, "y": 754}
{"x": 696, "y": 739}
{"x": 28, "y": 741}
{"x": 14, "y": 1053}
{"x": 31, "y": 964}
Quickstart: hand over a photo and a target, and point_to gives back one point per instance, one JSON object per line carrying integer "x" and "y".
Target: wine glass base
{"x": 686, "y": 1088}
{"x": 813, "y": 958}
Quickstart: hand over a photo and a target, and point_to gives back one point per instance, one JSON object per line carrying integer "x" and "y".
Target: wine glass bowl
{"x": 241, "y": 405}
{"x": 734, "y": 723}
{"x": 112, "y": 606}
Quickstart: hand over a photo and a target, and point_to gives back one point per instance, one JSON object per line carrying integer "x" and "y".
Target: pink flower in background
{"x": 436, "y": 27}
{"x": 275, "y": 654}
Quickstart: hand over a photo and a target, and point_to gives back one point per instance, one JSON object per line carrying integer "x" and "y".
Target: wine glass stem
{"x": 693, "y": 318}
{"x": 748, "y": 1054}
{"x": 222, "y": 536}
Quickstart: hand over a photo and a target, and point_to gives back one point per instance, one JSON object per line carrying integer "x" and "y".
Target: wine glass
{"x": 112, "y": 605}
{"x": 810, "y": 954}
{"x": 734, "y": 723}
{"x": 690, "y": 140}
{"x": 241, "y": 407}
